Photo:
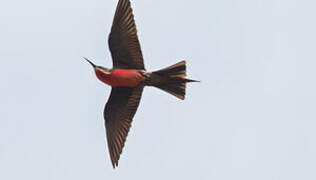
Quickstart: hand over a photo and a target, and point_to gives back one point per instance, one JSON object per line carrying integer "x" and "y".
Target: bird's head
{"x": 99, "y": 69}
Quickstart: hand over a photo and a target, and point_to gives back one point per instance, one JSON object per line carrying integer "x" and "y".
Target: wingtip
{"x": 114, "y": 164}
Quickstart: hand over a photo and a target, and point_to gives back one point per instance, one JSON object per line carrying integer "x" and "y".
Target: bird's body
{"x": 128, "y": 77}
{"x": 121, "y": 77}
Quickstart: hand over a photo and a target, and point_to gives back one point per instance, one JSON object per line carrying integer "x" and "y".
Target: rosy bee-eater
{"x": 128, "y": 77}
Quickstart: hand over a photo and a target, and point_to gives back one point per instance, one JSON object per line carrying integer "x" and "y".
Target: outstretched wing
{"x": 123, "y": 41}
{"x": 118, "y": 115}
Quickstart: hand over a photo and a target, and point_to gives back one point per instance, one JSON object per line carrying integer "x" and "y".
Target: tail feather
{"x": 176, "y": 70}
{"x": 171, "y": 79}
{"x": 177, "y": 89}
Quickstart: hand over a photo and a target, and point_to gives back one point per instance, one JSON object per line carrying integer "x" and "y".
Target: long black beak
{"x": 93, "y": 65}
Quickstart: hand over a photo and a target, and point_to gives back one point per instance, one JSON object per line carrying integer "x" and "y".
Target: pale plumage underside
{"x": 123, "y": 102}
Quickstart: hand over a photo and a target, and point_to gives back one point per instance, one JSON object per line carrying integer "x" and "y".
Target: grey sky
{"x": 252, "y": 117}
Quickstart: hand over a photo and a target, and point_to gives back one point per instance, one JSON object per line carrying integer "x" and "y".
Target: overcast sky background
{"x": 252, "y": 117}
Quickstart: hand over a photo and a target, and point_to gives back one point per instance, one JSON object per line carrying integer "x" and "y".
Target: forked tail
{"x": 171, "y": 79}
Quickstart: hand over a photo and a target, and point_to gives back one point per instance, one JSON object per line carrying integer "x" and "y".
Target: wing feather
{"x": 118, "y": 115}
{"x": 123, "y": 41}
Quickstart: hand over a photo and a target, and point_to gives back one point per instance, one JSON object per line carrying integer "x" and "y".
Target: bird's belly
{"x": 124, "y": 78}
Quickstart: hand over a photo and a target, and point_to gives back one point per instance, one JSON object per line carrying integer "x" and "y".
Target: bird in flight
{"x": 128, "y": 77}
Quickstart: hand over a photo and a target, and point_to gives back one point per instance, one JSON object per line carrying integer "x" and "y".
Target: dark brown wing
{"x": 118, "y": 115}
{"x": 123, "y": 41}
